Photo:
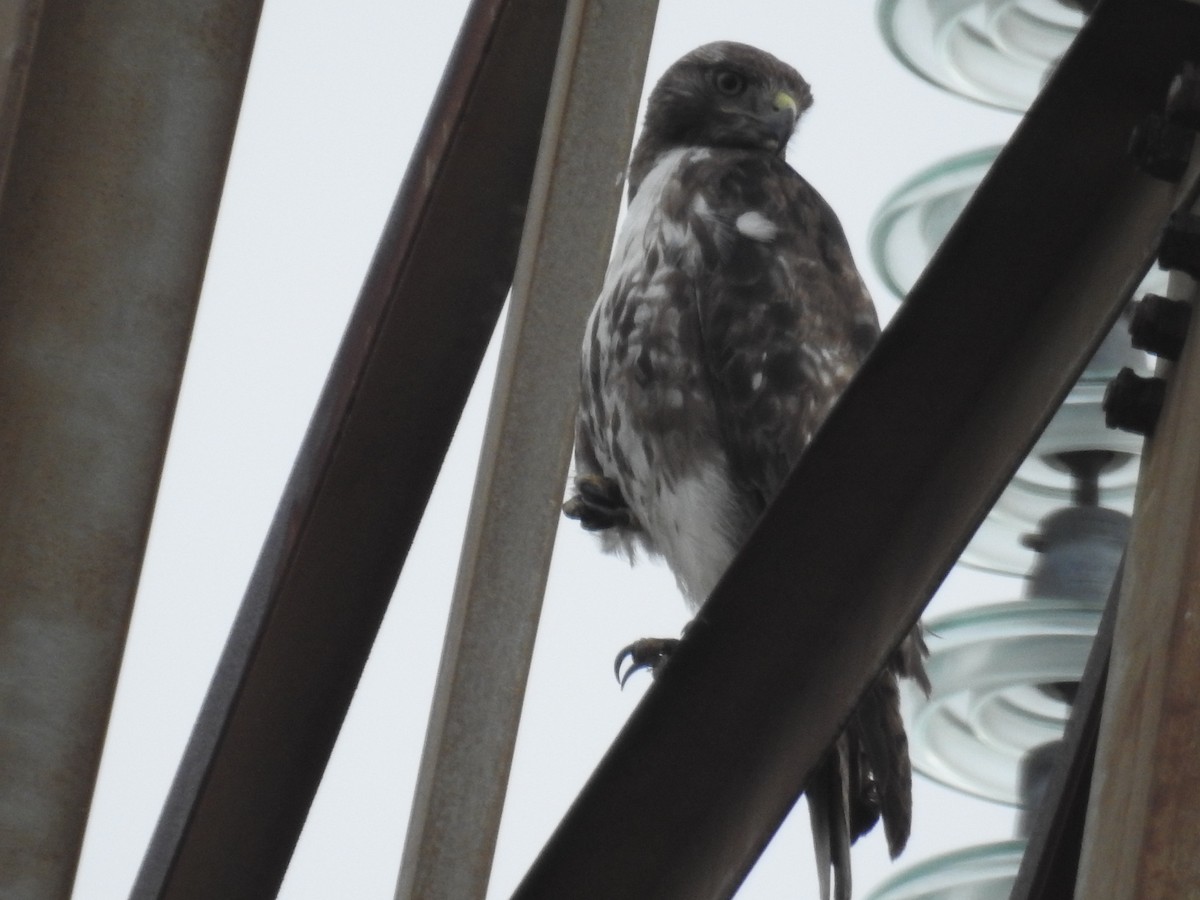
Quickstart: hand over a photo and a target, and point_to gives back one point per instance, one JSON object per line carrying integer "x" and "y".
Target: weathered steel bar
{"x": 365, "y": 470}
{"x": 1142, "y": 839}
{"x": 515, "y": 508}
{"x": 971, "y": 368}
{"x": 1051, "y": 862}
{"x": 116, "y": 124}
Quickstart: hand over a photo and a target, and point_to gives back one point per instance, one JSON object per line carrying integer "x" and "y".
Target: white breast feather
{"x": 693, "y": 520}
{"x": 697, "y": 529}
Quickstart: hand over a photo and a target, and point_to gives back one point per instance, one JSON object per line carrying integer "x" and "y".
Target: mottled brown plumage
{"x": 731, "y": 319}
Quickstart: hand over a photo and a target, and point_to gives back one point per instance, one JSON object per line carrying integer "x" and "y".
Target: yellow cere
{"x": 784, "y": 100}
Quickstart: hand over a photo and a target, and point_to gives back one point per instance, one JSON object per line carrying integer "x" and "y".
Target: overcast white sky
{"x": 336, "y": 99}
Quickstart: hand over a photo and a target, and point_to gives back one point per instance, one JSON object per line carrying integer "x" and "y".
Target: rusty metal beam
{"x": 116, "y": 122}
{"x": 515, "y": 509}
{"x": 365, "y": 471}
{"x": 1142, "y": 839}
{"x": 971, "y": 368}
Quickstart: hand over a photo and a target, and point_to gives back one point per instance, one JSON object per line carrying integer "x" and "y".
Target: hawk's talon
{"x": 600, "y": 491}
{"x": 598, "y": 504}
{"x": 647, "y": 653}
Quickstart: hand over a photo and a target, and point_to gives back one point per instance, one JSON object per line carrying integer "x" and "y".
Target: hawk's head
{"x": 721, "y": 95}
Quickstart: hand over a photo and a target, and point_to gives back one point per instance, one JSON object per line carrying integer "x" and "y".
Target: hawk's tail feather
{"x": 878, "y": 726}
{"x": 908, "y": 661}
{"x": 867, "y": 774}
{"x": 829, "y": 812}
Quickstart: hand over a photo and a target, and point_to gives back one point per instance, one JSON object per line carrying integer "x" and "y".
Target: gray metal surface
{"x": 18, "y": 31}
{"x": 1051, "y": 862}
{"x": 365, "y": 470}
{"x": 515, "y": 508}
{"x": 118, "y": 155}
{"x": 971, "y": 368}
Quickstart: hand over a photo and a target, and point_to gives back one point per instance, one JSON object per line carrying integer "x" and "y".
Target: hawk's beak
{"x": 782, "y": 120}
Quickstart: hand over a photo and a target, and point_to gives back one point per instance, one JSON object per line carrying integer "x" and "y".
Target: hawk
{"x": 730, "y": 320}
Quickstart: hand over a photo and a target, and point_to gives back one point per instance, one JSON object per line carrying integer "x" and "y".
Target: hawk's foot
{"x": 598, "y": 504}
{"x": 647, "y": 653}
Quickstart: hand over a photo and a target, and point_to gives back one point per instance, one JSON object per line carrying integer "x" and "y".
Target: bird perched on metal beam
{"x": 731, "y": 319}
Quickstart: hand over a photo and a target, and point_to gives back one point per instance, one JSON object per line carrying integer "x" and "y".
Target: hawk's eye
{"x": 729, "y": 82}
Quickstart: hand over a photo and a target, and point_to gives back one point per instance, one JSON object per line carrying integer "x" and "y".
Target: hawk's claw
{"x": 647, "y": 653}
{"x": 598, "y": 504}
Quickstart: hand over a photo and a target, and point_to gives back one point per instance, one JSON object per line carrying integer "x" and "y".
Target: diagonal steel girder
{"x": 365, "y": 470}
{"x": 984, "y": 349}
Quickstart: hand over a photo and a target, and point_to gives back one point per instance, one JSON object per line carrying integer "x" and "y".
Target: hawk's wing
{"x": 785, "y": 318}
